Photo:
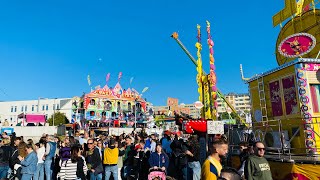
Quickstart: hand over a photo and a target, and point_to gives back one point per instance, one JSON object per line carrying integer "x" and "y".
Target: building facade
{"x": 10, "y": 110}
{"x": 173, "y": 106}
{"x": 241, "y": 103}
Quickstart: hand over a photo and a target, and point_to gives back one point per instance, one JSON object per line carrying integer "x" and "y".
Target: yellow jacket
{"x": 110, "y": 156}
{"x": 211, "y": 169}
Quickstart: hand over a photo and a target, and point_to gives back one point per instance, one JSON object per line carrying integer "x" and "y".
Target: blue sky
{"x": 47, "y": 48}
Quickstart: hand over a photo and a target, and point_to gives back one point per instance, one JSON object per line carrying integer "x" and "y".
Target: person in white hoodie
{"x": 40, "y": 150}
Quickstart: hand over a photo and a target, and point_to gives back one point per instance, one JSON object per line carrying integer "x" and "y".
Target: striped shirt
{"x": 69, "y": 170}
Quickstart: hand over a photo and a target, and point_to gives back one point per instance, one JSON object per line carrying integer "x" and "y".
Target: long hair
{"x": 22, "y": 149}
{"x": 74, "y": 154}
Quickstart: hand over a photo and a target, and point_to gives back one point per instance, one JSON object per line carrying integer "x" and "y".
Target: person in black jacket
{"x": 5, "y": 154}
{"x": 94, "y": 162}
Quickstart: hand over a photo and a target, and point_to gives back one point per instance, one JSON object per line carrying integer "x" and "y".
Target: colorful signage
{"x": 297, "y": 45}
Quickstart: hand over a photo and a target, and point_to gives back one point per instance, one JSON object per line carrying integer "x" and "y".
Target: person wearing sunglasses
{"x": 257, "y": 167}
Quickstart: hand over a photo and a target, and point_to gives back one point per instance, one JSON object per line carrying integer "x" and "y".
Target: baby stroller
{"x": 156, "y": 174}
{"x": 16, "y": 172}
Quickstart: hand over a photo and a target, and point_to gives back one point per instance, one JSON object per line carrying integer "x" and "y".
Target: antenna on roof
{"x": 318, "y": 55}
{"x": 241, "y": 73}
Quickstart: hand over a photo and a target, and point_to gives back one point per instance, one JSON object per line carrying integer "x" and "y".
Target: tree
{"x": 59, "y": 118}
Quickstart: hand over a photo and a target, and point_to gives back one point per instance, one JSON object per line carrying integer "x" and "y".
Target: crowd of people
{"x": 128, "y": 156}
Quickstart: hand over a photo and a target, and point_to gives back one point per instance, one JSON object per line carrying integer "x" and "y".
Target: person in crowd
{"x": 49, "y": 155}
{"x": 166, "y": 142}
{"x": 94, "y": 162}
{"x": 194, "y": 157}
{"x": 28, "y": 163}
{"x": 75, "y": 167}
{"x": 153, "y": 145}
{"x": 73, "y": 141}
{"x": 229, "y": 174}
{"x": 179, "y": 159}
{"x": 83, "y": 141}
{"x": 65, "y": 150}
{"x": 30, "y": 141}
{"x": 5, "y": 123}
{"x": 5, "y": 154}
{"x": 244, "y": 154}
{"x": 100, "y": 147}
{"x": 14, "y": 157}
{"x": 159, "y": 160}
{"x": 77, "y": 136}
{"x": 92, "y": 134}
{"x": 257, "y": 167}
{"x": 128, "y": 158}
{"x": 141, "y": 161}
{"x": 40, "y": 150}
{"x": 211, "y": 168}
{"x": 110, "y": 161}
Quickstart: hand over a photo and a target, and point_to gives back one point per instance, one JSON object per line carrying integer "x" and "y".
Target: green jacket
{"x": 257, "y": 168}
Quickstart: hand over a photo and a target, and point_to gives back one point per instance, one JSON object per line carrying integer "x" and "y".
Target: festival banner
{"x": 89, "y": 81}
{"x": 119, "y": 76}
{"x": 275, "y": 97}
{"x": 107, "y": 77}
{"x": 290, "y": 96}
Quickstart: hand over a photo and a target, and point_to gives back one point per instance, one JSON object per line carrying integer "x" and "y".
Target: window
{"x": 129, "y": 106}
{"x": 25, "y": 108}
{"x": 22, "y": 107}
{"x": 15, "y": 109}
{"x": 92, "y": 102}
{"x": 11, "y": 108}
{"x": 32, "y": 108}
{"x": 58, "y": 106}
{"x": 42, "y": 107}
{"x": 47, "y": 107}
{"x": 315, "y": 97}
{"x": 54, "y": 107}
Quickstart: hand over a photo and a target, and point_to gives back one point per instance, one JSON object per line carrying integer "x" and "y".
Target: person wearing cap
{"x": 110, "y": 160}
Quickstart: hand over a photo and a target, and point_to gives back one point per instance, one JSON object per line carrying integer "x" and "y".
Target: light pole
{"x": 135, "y": 113}
{"x": 39, "y": 102}
{"x": 54, "y": 110}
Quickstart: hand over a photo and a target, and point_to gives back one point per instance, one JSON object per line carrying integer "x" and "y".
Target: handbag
{"x": 98, "y": 169}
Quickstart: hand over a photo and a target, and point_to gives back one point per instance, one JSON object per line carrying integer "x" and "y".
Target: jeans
{"x": 48, "y": 168}
{"x": 39, "y": 175}
{"x": 95, "y": 177}
{"x": 26, "y": 176}
{"x": 196, "y": 169}
{"x": 4, "y": 171}
{"x": 113, "y": 170}
{"x": 126, "y": 171}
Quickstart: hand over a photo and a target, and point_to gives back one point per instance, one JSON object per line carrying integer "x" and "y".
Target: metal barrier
{"x": 290, "y": 147}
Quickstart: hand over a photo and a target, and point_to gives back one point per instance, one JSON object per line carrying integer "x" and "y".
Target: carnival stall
{"x": 285, "y": 100}
{"x": 115, "y": 106}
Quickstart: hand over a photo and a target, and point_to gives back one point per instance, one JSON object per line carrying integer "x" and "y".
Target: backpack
{"x": 180, "y": 159}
